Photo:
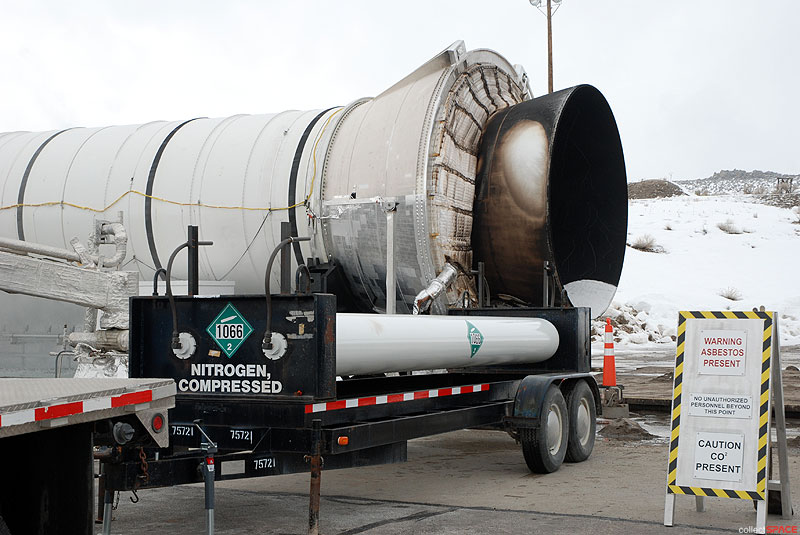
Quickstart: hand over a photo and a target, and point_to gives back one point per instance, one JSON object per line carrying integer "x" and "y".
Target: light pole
{"x": 549, "y": 14}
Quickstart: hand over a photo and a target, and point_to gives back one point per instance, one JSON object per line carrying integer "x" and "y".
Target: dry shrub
{"x": 729, "y": 227}
{"x": 730, "y": 293}
{"x": 647, "y": 243}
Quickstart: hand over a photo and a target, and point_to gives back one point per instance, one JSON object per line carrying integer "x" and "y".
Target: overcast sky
{"x": 695, "y": 86}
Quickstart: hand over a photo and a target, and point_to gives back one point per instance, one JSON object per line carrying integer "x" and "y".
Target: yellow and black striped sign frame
{"x": 763, "y": 414}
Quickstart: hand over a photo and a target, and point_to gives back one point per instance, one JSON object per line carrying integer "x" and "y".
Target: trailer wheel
{"x": 544, "y": 448}
{"x": 582, "y": 423}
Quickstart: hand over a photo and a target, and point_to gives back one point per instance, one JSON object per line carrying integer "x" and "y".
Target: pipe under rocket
{"x": 479, "y": 172}
{"x": 378, "y": 343}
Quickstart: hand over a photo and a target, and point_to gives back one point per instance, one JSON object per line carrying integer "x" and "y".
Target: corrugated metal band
{"x": 298, "y": 155}
{"x": 24, "y": 183}
{"x": 763, "y": 424}
{"x": 148, "y": 201}
{"x": 475, "y": 95}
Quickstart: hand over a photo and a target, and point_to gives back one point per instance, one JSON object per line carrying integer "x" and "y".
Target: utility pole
{"x": 549, "y": 47}
{"x": 549, "y": 14}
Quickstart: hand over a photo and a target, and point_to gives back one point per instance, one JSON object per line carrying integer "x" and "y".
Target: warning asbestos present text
{"x": 722, "y": 352}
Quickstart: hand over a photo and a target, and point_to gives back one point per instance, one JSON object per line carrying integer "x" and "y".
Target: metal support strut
{"x": 286, "y": 259}
{"x": 391, "y": 278}
{"x": 481, "y": 284}
{"x": 108, "y": 499}
{"x": 193, "y": 267}
{"x": 316, "y": 475}
{"x": 101, "y": 491}
{"x": 209, "y": 448}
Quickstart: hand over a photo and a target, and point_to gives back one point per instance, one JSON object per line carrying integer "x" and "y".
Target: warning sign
{"x": 229, "y": 330}
{"x": 718, "y": 456}
{"x": 722, "y": 352}
{"x": 720, "y": 405}
{"x": 721, "y": 409}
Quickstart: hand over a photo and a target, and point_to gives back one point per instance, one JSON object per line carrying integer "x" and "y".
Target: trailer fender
{"x": 532, "y": 389}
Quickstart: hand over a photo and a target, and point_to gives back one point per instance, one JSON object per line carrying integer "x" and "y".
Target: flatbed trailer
{"x": 48, "y": 428}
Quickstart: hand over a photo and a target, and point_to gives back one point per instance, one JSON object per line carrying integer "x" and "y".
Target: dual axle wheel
{"x": 566, "y": 429}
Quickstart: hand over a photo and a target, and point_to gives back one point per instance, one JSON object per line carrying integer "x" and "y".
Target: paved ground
{"x": 467, "y": 481}
{"x": 477, "y": 481}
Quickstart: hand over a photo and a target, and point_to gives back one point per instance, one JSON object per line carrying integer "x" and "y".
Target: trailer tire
{"x": 582, "y": 423}
{"x": 544, "y": 447}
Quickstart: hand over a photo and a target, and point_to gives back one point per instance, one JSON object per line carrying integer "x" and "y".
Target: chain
{"x": 143, "y": 465}
{"x": 116, "y": 501}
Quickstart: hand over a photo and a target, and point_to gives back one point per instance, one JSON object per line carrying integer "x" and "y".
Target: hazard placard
{"x": 229, "y": 330}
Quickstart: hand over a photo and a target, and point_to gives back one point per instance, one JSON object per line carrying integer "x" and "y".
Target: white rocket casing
{"x": 422, "y": 144}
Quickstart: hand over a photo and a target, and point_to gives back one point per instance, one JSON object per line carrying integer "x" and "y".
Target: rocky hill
{"x": 737, "y": 181}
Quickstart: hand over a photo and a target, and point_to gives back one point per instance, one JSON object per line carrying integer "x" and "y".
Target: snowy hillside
{"x": 711, "y": 253}
{"x": 736, "y": 181}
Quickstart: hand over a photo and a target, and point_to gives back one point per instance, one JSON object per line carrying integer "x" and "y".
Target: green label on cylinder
{"x": 475, "y": 339}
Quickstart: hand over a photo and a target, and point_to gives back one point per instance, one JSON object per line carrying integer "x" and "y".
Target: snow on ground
{"x": 701, "y": 264}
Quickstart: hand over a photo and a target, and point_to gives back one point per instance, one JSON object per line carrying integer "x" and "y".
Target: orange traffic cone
{"x": 609, "y": 367}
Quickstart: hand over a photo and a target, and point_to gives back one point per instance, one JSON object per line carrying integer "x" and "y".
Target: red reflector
{"x": 343, "y": 441}
{"x": 157, "y": 423}
{"x": 58, "y": 411}
{"x": 132, "y": 398}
